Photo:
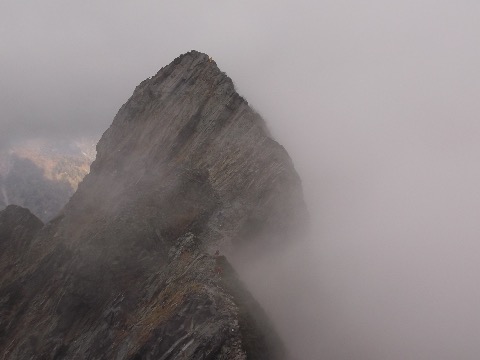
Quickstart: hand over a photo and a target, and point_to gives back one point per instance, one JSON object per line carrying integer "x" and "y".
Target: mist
{"x": 377, "y": 104}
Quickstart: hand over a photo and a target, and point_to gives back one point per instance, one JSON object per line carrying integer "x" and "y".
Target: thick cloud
{"x": 376, "y": 101}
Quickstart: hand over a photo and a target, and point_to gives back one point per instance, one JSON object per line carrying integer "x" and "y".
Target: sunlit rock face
{"x": 42, "y": 174}
{"x": 127, "y": 270}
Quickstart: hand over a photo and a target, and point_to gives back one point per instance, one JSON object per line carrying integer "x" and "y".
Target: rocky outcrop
{"x": 18, "y": 226}
{"x": 126, "y": 271}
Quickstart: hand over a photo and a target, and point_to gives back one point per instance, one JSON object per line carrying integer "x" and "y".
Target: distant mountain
{"x": 42, "y": 174}
{"x": 134, "y": 267}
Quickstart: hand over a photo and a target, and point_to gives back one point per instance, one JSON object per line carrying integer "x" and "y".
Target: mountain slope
{"x": 126, "y": 271}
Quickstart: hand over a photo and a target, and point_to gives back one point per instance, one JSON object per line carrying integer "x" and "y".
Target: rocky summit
{"x": 133, "y": 267}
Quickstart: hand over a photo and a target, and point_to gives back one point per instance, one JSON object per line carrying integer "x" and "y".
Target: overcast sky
{"x": 377, "y": 102}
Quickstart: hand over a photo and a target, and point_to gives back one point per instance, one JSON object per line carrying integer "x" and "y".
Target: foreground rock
{"x": 124, "y": 272}
{"x": 18, "y": 226}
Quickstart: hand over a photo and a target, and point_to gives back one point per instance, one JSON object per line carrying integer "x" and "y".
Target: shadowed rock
{"x": 18, "y": 226}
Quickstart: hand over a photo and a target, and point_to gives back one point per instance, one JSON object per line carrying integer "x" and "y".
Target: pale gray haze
{"x": 376, "y": 101}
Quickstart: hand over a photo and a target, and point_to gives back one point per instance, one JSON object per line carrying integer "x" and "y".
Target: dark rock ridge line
{"x": 125, "y": 271}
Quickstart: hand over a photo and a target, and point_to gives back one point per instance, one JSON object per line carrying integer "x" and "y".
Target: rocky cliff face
{"x": 126, "y": 271}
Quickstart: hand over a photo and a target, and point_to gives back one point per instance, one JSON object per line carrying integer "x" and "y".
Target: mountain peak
{"x": 186, "y": 169}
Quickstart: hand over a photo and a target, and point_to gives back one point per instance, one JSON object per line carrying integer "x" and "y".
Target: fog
{"x": 377, "y": 104}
